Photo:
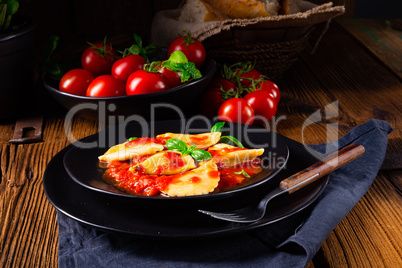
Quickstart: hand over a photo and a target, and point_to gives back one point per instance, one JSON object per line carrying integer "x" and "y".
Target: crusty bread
{"x": 200, "y": 11}
{"x": 241, "y": 9}
{"x": 210, "y": 10}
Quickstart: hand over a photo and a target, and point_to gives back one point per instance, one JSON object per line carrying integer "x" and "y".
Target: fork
{"x": 292, "y": 184}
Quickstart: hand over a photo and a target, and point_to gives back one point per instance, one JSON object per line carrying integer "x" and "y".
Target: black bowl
{"x": 145, "y": 105}
{"x": 81, "y": 163}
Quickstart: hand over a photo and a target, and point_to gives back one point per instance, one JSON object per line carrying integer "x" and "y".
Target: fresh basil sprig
{"x": 242, "y": 172}
{"x": 228, "y": 139}
{"x": 182, "y": 147}
{"x": 178, "y": 62}
{"x": 218, "y": 127}
{"x": 225, "y": 139}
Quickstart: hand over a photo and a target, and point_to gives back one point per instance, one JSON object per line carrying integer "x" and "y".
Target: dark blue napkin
{"x": 291, "y": 242}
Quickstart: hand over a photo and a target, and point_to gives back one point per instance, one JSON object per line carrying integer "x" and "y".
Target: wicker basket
{"x": 272, "y": 59}
{"x": 273, "y": 43}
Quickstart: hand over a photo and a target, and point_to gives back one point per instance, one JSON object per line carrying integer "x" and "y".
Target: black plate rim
{"x": 242, "y": 228}
{"x": 174, "y": 199}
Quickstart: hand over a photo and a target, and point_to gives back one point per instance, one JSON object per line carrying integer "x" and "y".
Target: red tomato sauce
{"x": 136, "y": 182}
{"x": 199, "y": 140}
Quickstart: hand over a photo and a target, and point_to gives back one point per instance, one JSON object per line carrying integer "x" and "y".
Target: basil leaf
{"x": 176, "y": 145}
{"x": 226, "y": 139}
{"x": 200, "y": 155}
{"x": 189, "y": 150}
{"x": 132, "y": 138}
{"x": 178, "y": 57}
{"x": 242, "y": 172}
{"x": 218, "y": 127}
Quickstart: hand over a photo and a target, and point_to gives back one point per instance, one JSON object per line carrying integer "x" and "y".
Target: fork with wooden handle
{"x": 292, "y": 184}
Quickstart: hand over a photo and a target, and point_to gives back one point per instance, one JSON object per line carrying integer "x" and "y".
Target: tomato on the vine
{"x": 236, "y": 110}
{"x": 271, "y": 87}
{"x": 106, "y": 86}
{"x": 225, "y": 84}
{"x": 246, "y": 77}
{"x": 76, "y": 81}
{"x": 124, "y": 67}
{"x": 98, "y": 58}
{"x": 191, "y": 47}
{"x": 173, "y": 78}
{"x": 263, "y": 103}
{"x": 218, "y": 92}
{"x": 143, "y": 82}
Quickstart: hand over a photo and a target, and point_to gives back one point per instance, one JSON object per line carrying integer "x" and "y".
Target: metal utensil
{"x": 292, "y": 184}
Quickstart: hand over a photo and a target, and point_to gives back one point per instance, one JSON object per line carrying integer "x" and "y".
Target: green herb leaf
{"x": 189, "y": 150}
{"x": 242, "y": 172}
{"x": 176, "y": 145}
{"x": 132, "y": 138}
{"x": 178, "y": 57}
{"x": 200, "y": 155}
{"x": 218, "y": 127}
{"x": 227, "y": 139}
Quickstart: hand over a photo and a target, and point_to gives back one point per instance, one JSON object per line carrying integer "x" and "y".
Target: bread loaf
{"x": 210, "y": 10}
{"x": 200, "y": 11}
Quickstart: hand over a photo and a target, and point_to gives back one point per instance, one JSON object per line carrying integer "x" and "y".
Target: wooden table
{"x": 358, "y": 64}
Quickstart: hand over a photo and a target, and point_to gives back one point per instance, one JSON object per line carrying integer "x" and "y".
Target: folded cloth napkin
{"x": 291, "y": 242}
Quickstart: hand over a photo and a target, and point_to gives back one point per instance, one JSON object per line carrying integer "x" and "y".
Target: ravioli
{"x": 166, "y": 163}
{"x": 144, "y": 166}
{"x": 202, "y": 141}
{"x": 122, "y": 152}
{"x": 229, "y": 155}
{"x": 198, "y": 181}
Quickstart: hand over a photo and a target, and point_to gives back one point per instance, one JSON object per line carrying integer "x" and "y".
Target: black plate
{"x": 120, "y": 215}
{"x": 81, "y": 164}
{"x": 182, "y": 97}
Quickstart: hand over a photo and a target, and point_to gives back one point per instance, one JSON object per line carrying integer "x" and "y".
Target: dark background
{"x": 91, "y": 20}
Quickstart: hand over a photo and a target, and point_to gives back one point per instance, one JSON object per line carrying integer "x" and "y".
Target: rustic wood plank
{"x": 373, "y": 225}
{"x": 28, "y": 234}
{"x": 380, "y": 38}
{"x": 364, "y": 88}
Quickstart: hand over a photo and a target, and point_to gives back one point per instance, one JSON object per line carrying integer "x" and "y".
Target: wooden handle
{"x": 322, "y": 167}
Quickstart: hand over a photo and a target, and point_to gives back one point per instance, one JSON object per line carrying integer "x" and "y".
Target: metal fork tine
{"x": 232, "y": 215}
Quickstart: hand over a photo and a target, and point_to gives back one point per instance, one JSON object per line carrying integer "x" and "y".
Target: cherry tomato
{"x": 142, "y": 82}
{"x": 173, "y": 78}
{"x": 263, "y": 103}
{"x": 246, "y": 77}
{"x": 106, "y": 86}
{"x": 122, "y": 68}
{"x": 98, "y": 58}
{"x": 272, "y": 88}
{"x": 76, "y": 81}
{"x": 223, "y": 83}
{"x": 236, "y": 110}
{"x": 191, "y": 47}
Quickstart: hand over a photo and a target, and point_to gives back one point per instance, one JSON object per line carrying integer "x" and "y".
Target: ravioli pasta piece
{"x": 121, "y": 152}
{"x": 166, "y": 163}
{"x": 233, "y": 158}
{"x": 202, "y": 141}
{"x": 220, "y": 146}
{"x": 198, "y": 181}
{"x": 237, "y": 157}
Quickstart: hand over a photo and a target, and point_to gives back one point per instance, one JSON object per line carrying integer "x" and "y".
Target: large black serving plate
{"x": 123, "y": 215}
{"x": 81, "y": 164}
